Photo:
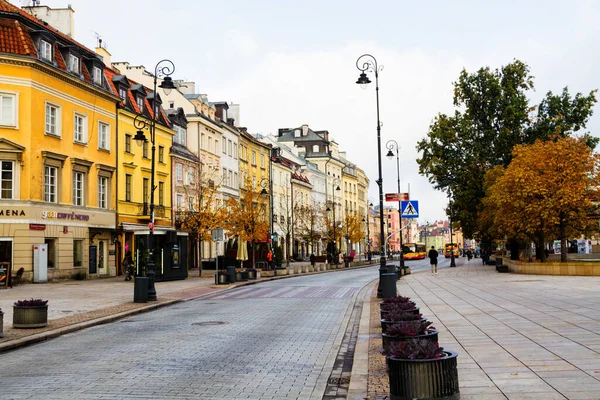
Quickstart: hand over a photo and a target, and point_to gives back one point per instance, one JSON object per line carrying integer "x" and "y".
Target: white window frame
{"x": 180, "y": 135}
{"x": 53, "y": 127}
{"x": 179, "y": 172}
{"x": 8, "y": 109}
{"x": 140, "y": 103}
{"x": 235, "y": 151}
{"x": 46, "y": 50}
{"x": 97, "y": 75}
{"x": 51, "y": 184}
{"x": 179, "y": 201}
{"x": 122, "y": 93}
{"x": 4, "y": 178}
{"x": 103, "y": 136}
{"x": 224, "y": 146}
{"x": 78, "y": 189}
{"x": 74, "y": 64}
{"x": 229, "y": 147}
{"x": 80, "y": 129}
{"x": 102, "y": 192}
{"x": 262, "y": 160}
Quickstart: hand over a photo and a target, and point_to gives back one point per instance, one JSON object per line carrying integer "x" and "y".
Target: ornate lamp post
{"x": 336, "y": 182}
{"x": 393, "y": 145}
{"x": 164, "y": 69}
{"x": 369, "y": 63}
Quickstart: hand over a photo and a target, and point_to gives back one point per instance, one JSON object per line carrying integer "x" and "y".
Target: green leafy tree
{"x": 492, "y": 116}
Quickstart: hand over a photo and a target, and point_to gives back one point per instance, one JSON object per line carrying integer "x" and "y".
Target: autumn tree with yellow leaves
{"x": 353, "y": 226}
{"x": 546, "y": 192}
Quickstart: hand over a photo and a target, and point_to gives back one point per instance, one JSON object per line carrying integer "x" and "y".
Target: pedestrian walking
{"x": 312, "y": 260}
{"x": 270, "y": 261}
{"x": 128, "y": 266}
{"x": 433, "y": 256}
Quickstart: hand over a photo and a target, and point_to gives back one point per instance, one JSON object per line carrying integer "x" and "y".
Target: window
{"x": 235, "y": 180}
{"x": 80, "y": 128}
{"x": 202, "y": 141}
{"x": 51, "y": 252}
{"x": 161, "y": 193}
{"x": 52, "y": 120}
{"x": 45, "y": 50}
{"x": 171, "y": 105}
{"x": 235, "y": 150}
{"x": 146, "y": 190}
{"x": 127, "y": 143}
{"x": 224, "y": 146}
{"x": 140, "y": 103}
{"x": 262, "y": 160}
{"x": 191, "y": 204}
{"x": 8, "y": 114}
{"x": 6, "y": 180}
{"x": 50, "y": 184}
{"x": 209, "y": 148}
{"x": 161, "y": 154}
{"x": 122, "y": 93}
{"x": 127, "y": 187}
{"x": 73, "y": 63}
{"x": 225, "y": 177}
{"x": 315, "y": 148}
{"x": 179, "y": 201}
{"x": 180, "y": 135}
{"x": 229, "y": 146}
{"x": 102, "y": 192}
{"x": 145, "y": 149}
{"x": 78, "y": 185}
{"x": 179, "y": 172}
{"x": 77, "y": 253}
{"x": 253, "y": 158}
{"x": 103, "y": 136}
{"x": 97, "y": 76}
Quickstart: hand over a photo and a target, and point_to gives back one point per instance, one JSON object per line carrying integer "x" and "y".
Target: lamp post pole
{"x": 369, "y": 63}
{"x": 369, "y": 205}
{"x": 333, "y": 190}
{"x": 163, "y": 69}
{"x": 452, "y": 261}
{"x": 393, "y": 145}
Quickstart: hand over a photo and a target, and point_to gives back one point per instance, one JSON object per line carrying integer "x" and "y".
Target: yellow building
{"x": 57, "y": 152}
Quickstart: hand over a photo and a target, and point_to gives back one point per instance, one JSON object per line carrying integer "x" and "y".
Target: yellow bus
{"x": 414, "y": 251}
{"x": 449, "y": 248}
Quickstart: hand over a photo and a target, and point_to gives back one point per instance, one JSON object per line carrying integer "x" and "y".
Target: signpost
{"x": 410, "y": 209}
{"x": 396, "y": 197}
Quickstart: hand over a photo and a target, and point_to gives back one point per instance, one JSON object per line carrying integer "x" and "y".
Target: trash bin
{"x": 498, "y": 261}
{"x": 245, "y": 275}
{"x": 388, "y": 285}
{"x": 231, "y": 273}
{"x": 140, "y": 289}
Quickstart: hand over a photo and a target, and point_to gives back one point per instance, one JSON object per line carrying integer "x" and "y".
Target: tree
{"x": 284, "y": 222}
{"x": 353, "y": 226}
{"x": 493, "y": 115}
{"x": 247, "y": 216}
{"x": 545, "y": 192}
{"x": 206, "y": 214}
{"x": 310, "y": 223}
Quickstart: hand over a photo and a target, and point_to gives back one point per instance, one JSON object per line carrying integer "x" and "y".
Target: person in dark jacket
{"x": 433, "y": 255}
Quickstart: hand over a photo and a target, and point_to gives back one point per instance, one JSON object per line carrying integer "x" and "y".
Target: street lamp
{"x": 452, "y": 261}
{"x": 163, "y": 71}
{"x": 370, "y": 200}
{"x": 393, "y": 145}
{"x": 336, "y": 182}
{"x": 369, "y": 63}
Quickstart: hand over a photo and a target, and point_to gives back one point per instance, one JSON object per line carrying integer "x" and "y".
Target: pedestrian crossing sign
{"x": 410, "y": 209}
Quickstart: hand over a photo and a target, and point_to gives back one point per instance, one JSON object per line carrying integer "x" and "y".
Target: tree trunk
{"x": 540, "y": 248}
{"x": 563, "y": 243}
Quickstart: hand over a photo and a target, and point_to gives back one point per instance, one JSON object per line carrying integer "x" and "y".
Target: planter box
{"x": 221, "y": 279}
{"x": 305, "y": 269}
{"x": 424, "y": 379}
{"x": 383, "y": 313}
{"x": 30, "y": 317}
{"x": 431, "y": 335}
{"x": 252, "y": 274}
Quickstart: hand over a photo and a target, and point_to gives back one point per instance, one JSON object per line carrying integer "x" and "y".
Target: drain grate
{"x": 205, "y": 323}
{"x": 339, "y": 381}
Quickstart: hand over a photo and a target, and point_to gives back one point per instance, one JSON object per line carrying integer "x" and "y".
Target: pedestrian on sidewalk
{"x": 270, "y": 262}
{"x": 433, "y": 256}
{"x": 128, "y": 266}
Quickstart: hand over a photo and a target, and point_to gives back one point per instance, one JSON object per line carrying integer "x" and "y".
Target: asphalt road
{"x": 274, "y": 340}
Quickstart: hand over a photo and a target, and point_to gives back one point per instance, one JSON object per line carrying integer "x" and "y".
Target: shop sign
{"x": 59, "y": 215}
{"x": 12, "y": 213}
{"x": 37, "y": 227}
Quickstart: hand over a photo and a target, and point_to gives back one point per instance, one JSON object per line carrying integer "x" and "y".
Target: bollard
{"x": 140, "y": 289}
{"x": 388, "y": 285}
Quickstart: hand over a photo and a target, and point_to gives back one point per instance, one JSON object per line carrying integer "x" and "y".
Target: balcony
{"x": 144, "y": 210}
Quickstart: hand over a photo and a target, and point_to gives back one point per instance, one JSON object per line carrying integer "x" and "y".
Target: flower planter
{"x": 424, "y": 379}
{"x": 245, "y": 275}
{"x": 221, "y": 279}
{"x": 431, "y": 335}
{"x": 30, "y": 317}
{"x": 385, "y": 323}
{"x": 385, "y": 312}
{"x": 238, "y": 276}
{"x": 252, "y": 274}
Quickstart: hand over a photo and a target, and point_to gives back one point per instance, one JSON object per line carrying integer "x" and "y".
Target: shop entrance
{"x": 6, "y": 246}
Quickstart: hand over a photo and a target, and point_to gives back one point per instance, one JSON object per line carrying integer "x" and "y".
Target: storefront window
{"x": 51, "y": 252}
{"x": 78, "y": 253}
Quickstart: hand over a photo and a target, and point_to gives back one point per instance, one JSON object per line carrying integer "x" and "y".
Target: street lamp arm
{"x": 166, "y": 69}
{"x": 369, "y": 64}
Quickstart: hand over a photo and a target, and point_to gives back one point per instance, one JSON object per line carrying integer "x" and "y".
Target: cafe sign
{"x": 60, "y": 215}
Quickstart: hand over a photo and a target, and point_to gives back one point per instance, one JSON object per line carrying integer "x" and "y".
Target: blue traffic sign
{"x": 410, "y": 209}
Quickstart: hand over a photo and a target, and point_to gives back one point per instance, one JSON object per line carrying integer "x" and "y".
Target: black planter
{"x": 252, "y": 274}
{"x": 221, "y": 279}
{"x": 385, "y": 323}
{"x": 424, "y": 379}
{"x": 245, "y": 275}
{"x": 431, "y": 335}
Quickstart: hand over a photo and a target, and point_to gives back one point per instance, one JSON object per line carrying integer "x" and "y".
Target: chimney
{"x": 102, "y": 52}
{"x": 185, "y": 87}
{"x": 230, "y": 121}
{"x": 60, "y": 19}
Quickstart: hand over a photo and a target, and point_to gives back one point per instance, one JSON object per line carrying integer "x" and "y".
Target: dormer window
{"x": 73, "y": 64}
{"x": 140, "y": 103}
{"x": 45, "y": 50}
{"x": 122, "y": 93}
{"x": 97, "y": 75}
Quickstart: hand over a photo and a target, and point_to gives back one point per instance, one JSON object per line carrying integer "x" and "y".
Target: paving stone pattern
{"x": 255, "y": 342}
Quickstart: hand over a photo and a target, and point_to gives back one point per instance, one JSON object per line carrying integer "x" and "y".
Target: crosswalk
{"x": 289, "y": 292}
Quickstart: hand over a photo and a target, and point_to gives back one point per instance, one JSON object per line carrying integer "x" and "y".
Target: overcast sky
{"x": 289, "y": 63}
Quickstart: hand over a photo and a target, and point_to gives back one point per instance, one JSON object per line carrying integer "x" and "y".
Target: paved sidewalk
{"x": 517, "y": 336}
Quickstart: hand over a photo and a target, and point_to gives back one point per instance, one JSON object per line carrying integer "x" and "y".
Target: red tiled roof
{"x": 13, "y": 40}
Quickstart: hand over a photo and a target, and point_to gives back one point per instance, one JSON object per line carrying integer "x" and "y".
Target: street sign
{"x": 396, "y": 197}
{"x": 410, "y": 209}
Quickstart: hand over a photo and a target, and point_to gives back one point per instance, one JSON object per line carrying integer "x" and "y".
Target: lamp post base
{"x": 150, "y": 274}
{"x": 452, "y": 262}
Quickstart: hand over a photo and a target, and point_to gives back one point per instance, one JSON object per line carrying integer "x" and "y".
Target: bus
{"x": 448, "y": 249}
{"x": 414, "y": 251}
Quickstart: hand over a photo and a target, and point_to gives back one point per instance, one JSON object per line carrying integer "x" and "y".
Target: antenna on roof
{"x": 98, "y": 39}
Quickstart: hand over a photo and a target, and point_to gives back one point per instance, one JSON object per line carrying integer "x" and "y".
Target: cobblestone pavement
{"x": 276, "y": 340}
{"x": 517, "y": 336}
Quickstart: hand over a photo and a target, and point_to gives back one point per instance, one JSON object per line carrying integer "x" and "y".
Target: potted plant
{"x": 408, "y": 306}
{"x": 405, "y": 330}
{"x": 252, "y": 273}
{"x": 420, "y": 369}
{"x": 396, "y": 316}
{"x": 221, "y": 277}
{"x": 30, "y": 313}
